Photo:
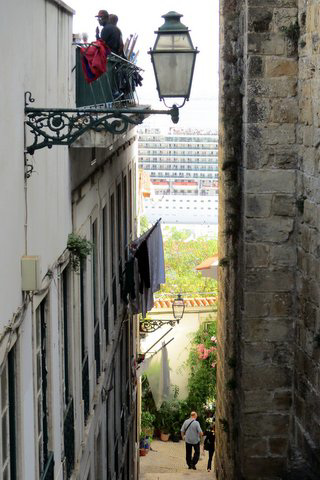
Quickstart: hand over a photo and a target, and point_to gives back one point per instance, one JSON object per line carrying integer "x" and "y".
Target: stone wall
{"x": 305, "y": 440}
{"x": 269, "y": 374}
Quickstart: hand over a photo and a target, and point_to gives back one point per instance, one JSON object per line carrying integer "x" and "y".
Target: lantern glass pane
{"x": 178, "y": 309}
{"x": 173, "y": 41}
{"x": 174, "y": 73}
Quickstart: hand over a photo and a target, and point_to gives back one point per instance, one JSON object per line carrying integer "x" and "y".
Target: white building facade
{"x": 67, "y": 344}
{"x": 183, "y": 168}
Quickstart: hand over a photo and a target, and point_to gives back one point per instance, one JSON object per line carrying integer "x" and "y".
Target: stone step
{"x": 194, "y": 475}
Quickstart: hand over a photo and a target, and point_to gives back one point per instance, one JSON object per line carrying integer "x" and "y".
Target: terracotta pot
{"x": 142, "y": 452}
{"x": 164, "y": 437}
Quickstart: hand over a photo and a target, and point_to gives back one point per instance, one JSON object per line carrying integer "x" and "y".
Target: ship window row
{"x": 184, "y": 200}
{"x": 180, "y": 174}
{"x": 182, "y": 208}
{"x": 181, "y": 146}
{"x": 169, "y": 166}
{"x": 193, "y": 193}
{"x": 154, "y": 166}
{"x": 178, "y": 151}
{"x": 176, "y": 161}
{"x": 187, "y": 139}
{"x": 172, "y": 158}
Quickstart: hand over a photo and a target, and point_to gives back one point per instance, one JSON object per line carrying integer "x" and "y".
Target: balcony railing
{"x": 116, "y": 87}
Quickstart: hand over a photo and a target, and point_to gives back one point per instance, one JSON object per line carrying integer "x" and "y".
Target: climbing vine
{"x": 202, "y": 363}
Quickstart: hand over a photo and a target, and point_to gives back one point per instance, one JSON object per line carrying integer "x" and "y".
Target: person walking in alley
{"x": 209, "y": 443}
{"x": 191, "y": 432}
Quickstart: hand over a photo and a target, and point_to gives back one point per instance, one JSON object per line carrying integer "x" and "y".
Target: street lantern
{"x": 173, "y": 58}
{"x": 178, "y": 307}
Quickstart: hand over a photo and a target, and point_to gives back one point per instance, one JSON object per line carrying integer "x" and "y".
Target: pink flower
{"x": 213, "y": 365}
{"x": 205, "y": 353}
{"x": 214, "y": 339}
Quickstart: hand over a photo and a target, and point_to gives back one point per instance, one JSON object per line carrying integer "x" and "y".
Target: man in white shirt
{"x": 191, "y": 432}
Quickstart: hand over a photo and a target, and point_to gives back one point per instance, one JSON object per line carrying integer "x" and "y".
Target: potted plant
{"x": 165, "y": 421}
{"x": 147, "y": 427}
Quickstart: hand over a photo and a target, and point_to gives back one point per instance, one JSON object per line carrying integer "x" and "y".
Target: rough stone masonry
{"x": 268, "y": 401}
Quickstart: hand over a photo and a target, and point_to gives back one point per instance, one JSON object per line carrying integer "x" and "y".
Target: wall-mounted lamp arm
{"x": 62, "y": 126}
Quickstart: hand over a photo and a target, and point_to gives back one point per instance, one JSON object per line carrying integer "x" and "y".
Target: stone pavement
{"x": 166, "y": 461}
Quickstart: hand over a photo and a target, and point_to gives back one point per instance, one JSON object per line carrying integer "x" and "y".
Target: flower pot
{"x": 142, "y": 452}
{"x": 164, "y": 437}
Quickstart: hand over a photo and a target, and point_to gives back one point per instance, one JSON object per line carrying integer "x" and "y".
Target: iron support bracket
{"x": 62, "y": 126}
{"x": 148, "y": 325}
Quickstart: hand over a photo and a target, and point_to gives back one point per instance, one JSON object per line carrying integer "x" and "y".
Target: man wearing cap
{"x": 111, "y": 34}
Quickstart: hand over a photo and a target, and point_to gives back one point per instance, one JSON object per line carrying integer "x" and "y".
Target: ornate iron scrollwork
{"x": 54, "y": 126}
{"x": 148, "y": 325}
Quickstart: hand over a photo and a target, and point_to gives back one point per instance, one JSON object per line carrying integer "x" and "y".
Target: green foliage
{"x": 79, "y": 248}
{"x": 147, "y": 423}
{"x": 171, "y": 416}
{"x": 202, "y": 363}
{"x": 182, "y": 255}
{"x": 292, "y": 33}
{"x": 144, "y": 224}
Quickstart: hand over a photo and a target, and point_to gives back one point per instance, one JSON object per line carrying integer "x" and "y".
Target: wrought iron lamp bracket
{"x": 58, "y": 126}
{"x": 148, "y": 325}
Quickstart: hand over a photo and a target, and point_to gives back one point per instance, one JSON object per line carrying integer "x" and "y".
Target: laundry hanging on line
{"x": 144, "y": 271}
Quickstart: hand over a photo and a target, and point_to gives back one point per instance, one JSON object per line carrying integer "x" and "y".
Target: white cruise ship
{"x": 183, "y": 168}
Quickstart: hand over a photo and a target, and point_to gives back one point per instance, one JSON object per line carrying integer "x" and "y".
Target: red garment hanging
{"x": 94, "y": 60}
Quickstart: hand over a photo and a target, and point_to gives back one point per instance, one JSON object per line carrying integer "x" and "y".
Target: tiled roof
{"x": 189, "y": 302}
{"x": 207, "y": 263}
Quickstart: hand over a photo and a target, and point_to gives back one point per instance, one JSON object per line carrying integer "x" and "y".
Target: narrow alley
{"x": 166, "y": 461}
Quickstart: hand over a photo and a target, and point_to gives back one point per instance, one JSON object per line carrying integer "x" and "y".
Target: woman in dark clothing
{"x": 208, "y": 444}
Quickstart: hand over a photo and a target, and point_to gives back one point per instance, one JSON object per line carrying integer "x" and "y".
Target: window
{"x": 130, "y": 207}
{"x": 84, "y": 348}
{"x": 125, "y": 216}
{"x": 113, "y": 257}
{"x": 95, "y": 298}
{"x": 41, "y": 388}
{"x": 8, "y": 449}
{"x": 105, "y": 273}
{"x": 68, "y": 423}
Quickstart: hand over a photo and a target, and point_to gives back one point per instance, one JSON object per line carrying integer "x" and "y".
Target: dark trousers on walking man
{"x": 192, "y": 461}
{"x": 211, "y": 452}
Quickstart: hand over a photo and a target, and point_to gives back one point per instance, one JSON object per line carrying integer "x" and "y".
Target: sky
{"x": 143, "y": 17}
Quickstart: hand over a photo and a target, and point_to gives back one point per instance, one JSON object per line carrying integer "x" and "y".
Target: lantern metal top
{"x": 172, "y": 23}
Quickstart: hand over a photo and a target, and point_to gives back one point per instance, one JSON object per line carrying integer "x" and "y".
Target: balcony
{"x": 115, "y": 88}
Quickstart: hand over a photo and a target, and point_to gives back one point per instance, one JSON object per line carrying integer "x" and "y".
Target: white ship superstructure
{"x": 183, "y": 168}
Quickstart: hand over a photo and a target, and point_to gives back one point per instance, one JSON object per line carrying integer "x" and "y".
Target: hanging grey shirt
{"x": 193, "y": 432}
